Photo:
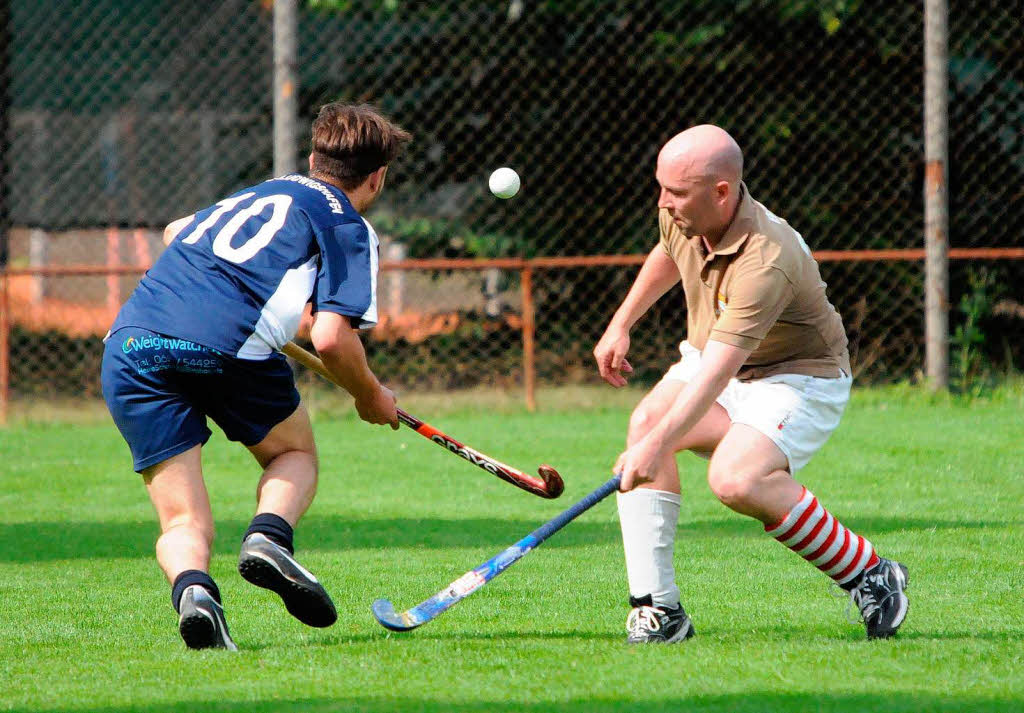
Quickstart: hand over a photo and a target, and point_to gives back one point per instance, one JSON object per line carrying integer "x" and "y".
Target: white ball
{"x": 504, "y": 182}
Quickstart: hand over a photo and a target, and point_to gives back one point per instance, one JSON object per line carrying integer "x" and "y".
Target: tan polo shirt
{"x": 759, "y": 289}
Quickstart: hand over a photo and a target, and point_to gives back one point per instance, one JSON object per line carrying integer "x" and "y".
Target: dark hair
{"x": 351, "y": 141}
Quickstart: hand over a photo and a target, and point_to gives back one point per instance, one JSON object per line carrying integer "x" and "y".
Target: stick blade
{"x": 552, "y": 481}
{"x": 385, "y": 612}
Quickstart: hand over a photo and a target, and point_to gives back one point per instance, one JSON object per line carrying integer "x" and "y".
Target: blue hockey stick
{"x": 472, "y": 580}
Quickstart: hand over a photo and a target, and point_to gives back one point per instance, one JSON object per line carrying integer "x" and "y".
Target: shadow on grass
{"x": 760, "y": 701}
{"x": 46, "y": 541}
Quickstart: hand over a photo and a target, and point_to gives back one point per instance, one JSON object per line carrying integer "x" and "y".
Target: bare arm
{"x": 175, "y": 227}
{"x": 657, "y": 276}
{"x": 342, "y": 353}
{"x": 719, "y": 362}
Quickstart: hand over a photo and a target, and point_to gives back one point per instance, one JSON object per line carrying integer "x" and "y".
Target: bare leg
{"x": 750, "y": 475}
{"x": 702, "y": 439}
{"x": 288, "y": 457}
{"x": 289, "y": 460}
{"x": 182, "y": 504}
{"x": 183, "y": 549}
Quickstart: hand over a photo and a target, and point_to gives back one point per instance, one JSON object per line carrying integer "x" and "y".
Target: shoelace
{"x": 863, "y": 598}
{"x": 644, "y": 619}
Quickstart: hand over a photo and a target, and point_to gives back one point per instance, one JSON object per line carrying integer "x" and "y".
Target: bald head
{"x": 703, "y": 152}
{"x": 699, "y": 172}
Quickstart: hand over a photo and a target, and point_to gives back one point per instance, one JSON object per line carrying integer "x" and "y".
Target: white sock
{"x": 648, "y": 519}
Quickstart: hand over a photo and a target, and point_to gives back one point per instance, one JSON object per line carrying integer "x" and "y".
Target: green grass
{"x": 937, "y": 482}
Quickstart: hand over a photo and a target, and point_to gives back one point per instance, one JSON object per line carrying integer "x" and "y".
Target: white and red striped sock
{"x": 813, "y": 533}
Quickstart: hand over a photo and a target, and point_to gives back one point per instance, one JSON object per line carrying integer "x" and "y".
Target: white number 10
{"x": 222, "y": 241}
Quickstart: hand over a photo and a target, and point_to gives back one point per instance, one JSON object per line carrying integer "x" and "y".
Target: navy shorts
{"x": 160, "y": 389}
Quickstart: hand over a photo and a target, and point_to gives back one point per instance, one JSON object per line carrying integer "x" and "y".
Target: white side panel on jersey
{"x": 369, "y": 317}
{"x": 280, "y": 317}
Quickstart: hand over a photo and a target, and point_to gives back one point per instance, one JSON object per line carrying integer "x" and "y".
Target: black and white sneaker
{"x": 880, "y": 597}
{"x": 266, "y": 564}
{"x": 201, "y": 621}
{"x": 649, "y": 624}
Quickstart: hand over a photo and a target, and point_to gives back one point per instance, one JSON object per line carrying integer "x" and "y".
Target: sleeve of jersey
{"x": 347, "y": 281}
{"x": 755, "y": 301}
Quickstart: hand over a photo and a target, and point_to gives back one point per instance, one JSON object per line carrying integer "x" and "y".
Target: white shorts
{"x": 798, "y": 413}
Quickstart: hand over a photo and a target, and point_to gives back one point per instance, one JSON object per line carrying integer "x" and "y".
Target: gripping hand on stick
{"x": 379, "y": 407}
{"x": 638, "y": 464}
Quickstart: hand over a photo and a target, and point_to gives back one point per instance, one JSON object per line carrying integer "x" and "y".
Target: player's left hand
{"x": 637, "y": 464}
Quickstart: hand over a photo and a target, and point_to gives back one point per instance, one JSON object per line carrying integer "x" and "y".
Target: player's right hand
{"x": 610, "y": 354}
{"x": 380, "y": 408}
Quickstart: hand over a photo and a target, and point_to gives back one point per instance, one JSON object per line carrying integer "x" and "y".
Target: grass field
{"x": 86, "y": 623}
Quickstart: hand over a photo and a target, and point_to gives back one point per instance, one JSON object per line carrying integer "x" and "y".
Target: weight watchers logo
{"x": 138, "y": 344}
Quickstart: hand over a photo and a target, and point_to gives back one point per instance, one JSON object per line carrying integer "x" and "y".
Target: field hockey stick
{"x": 472, "y": 580}
{"x": 548, "y": 485}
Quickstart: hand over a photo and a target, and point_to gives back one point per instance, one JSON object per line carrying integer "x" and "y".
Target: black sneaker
{"x": 879, "y": 596}
{"x": 649, "y": 624}
{"x": 266, "y": 564}
{"x": 201, "y": 621}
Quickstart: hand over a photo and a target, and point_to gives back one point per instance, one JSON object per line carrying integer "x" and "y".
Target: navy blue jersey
{"x": 238, "y": 276}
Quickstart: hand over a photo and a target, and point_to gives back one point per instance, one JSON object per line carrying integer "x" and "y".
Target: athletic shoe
{"x": 201, "y": 621}
{"x": 880, "y": 598}
{"x": 649, "y": 624}
{"x": 266, "y": 564}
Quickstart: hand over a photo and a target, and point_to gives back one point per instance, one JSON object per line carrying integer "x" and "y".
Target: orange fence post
{"x": 529, "y": 367}
{"x": 5, "y": 347}
{"x": 143, "y": 255}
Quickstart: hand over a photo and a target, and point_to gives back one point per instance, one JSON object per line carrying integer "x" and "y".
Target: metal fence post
{"x": 4, "y": 142}
{"x": 936, "y": 208}
{"x": 285, "y": 87}
{"x": 5, "y": 308}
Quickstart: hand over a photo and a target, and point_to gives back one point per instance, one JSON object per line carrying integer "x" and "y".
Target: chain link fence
{"x": 125, "y": 114}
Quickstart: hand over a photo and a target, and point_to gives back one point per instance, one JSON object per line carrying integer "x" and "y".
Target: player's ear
{"x": 377, "y": 179}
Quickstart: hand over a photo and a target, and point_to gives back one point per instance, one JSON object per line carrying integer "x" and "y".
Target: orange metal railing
{"x": 525, "y": 267}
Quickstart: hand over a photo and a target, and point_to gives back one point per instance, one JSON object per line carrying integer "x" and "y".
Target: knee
{"x": 640, "y": 423}
{"x": 733, "y": 487}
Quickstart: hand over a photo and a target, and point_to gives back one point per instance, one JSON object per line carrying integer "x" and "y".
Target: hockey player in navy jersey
{"x": 200, "y": 336}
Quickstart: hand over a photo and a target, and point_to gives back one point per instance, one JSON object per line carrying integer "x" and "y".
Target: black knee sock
{"x": 274, "y": 527}
{"x": 187, "y": 579}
